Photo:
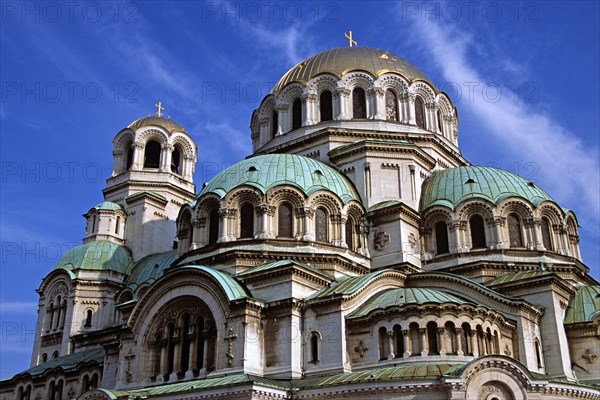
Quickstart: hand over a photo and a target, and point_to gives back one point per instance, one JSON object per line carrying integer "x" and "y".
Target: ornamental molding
{"x": 589, "y": 356}
{"x": 382, "y": 239}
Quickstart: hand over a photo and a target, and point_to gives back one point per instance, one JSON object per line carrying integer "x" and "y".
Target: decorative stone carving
{"x": 589, "y": 356}
{"x": 361, "y": 349}
{"x": 231, "y": 336}
{"x": 128, "y": 374}
{"x": 381, "y": 240}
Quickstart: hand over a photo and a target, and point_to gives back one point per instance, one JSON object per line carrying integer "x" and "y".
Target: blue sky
{"x": 523, "y": 75}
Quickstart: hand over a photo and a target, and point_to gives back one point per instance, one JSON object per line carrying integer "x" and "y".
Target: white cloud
{"x": 17, "y": 307}
{"x": 568, "y": 170}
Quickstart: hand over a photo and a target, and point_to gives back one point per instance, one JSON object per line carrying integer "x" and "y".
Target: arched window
{"x": 538, "y": 354}
{"x": 117, "y": 225}
{"x": 52, "y": 391}
{"x": 85, "y": 385}
{"x": 384, "y": 348}
{"x": 51, "y": 309}
{"x": 496, "y": 343}
{"x": 44, "y": 357}
{"x": 350, "y": 234}
{"x": 477, "y": 232}
{"x": 314, "y": 347}
{"x": 466, "y": 338}
{"x": 514, "y": 230}
{"x": 129, "y": 159}
{"x": 274, "y": 123}
{"x": 326, "y": 106}
{"x": 93, "y": 224}
{"x": 176, "y": 160}
{"x": 432, "y": 338}
{"x": 88, "y": 319}
{"x": 419, "y": 112}
{"x": 24, "y": 393}
{"x": 439, "y": 121}
{"x": 449, "y": 338}
{"x": 55, "y": 390}
{"x": 59, "y": 313}
{"x": 152, "y": 154}
{"x": 185, "y": 343}
{"x": 415, "y": 339}
{"x": 200, "y": 339}
{"x": 321, "y": 225}
{"x": 170, "y": 347}
{"x": 546, "y": 238}
{"x": 285, "y": 221}
{"x": 359, "y": 104}
{"x": 213, "y": 226}
{"x": 247, "y": 221}
{"x": 391, "y": 106}
{"x": 398, "y": 341}
{"x": 296, "y": 114}
{"x": 441, "y": 238}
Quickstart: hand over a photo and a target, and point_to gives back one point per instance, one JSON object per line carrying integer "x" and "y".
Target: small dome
{"x": 99, "y": 255}
{"x": 584, "y": 306}
{"x": 343, "y": 60}
{"x": 166, "y": 123}
{"x": 267, "y": 171}
{"x": 403, "y": 296}
{"x": 150, "y": 268}
{"x": 452, "y": 186}
{"x": 109, "y": 206}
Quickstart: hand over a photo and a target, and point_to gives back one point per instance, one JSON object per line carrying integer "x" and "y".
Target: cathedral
{"x": 356, "y": 253}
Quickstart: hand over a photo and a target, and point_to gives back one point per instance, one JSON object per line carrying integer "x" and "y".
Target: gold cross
{"x": 159, "y": 109}
{"x": 349, "y": 37}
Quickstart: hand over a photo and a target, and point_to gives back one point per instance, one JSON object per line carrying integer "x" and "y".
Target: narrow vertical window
{"x": 185, "y": 344}
{"x": 359, "y": 104}
{"x": 439, "y": 122}
{"x": 176, "y": 161}
{"x": 152, "y": 154}
{"x": 391, "y": 106}
{"x": 93, "y": 224}
{"x": 88, "y": 319}
{"x": 538, "y": 354}
{"x": 419, "y": 112}
{"x": 247, "y": 221}
{"x": 213, "y": 226}
{"x": 432, "y": 338}
{"x": 326, "y": 106}
{"x": 398, "y": 341}
{"x": 274, "y": 123}
{"x": 117, "y": 225}
{"x": 546, "y": 238}
{"x": 477, "y": 232}
{"x": 170, "y": 347}
{"x": 384, "y": 350}
{"x": 284, "y": 221}
{"x": 441, "y": 238}
{"x": 129, "y": 159}
{"x": 296, "y": 114}
{"x": 314, "y": 347}
{"x": 514, "y": 230}
{"x": 350, "y": 234}
{"x": 321, "y": 225}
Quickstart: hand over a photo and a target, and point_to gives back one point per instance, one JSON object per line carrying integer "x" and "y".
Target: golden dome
{"x": 166, "y": 123}
{"x": 343, "y": 60}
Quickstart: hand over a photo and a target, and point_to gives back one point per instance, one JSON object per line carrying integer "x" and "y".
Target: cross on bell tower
{"x": 349, "y": 37}
{"x": 159, "y": 108}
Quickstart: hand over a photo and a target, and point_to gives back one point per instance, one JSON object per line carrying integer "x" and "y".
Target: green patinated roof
{"x": 150, "y": 268}
{"x": 109, "y": 205}
{"x": 347, "y": 286}
{"x": 166, "y": 123}
{"x": 452, "y": 186}
{"x": 384, "y": 204}
{"x": 518, "y": 276}
{"x": 100, "y": 255}
{"x": 404, "y": 296}
{"x": 68, "y": 362}
{"x": 271, "y": 170}
{"x": 282, "y": 263}
{"x": 231, "y": 287}
{"x": 584, "y": 306}
{"x": 149, "y": 193}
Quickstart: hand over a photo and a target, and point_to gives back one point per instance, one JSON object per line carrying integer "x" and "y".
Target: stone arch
{"x": 189, "y": 150}
{"x": 322, "y": 82}
{"x": 324, "y": 199}
{"x": 496, "y": 375}
{"x": 393, "y": 82}
{"x": 551, "y": 211}
{"x": 420, "y": 88}
{"x": 360, "y": 79}
{"x": 291, "y": 92}
{"x": 243, "y": 194}
{"x": 267, "y": 106}
{"x": 148, "y": 134}
{"x": 291, "y": 194}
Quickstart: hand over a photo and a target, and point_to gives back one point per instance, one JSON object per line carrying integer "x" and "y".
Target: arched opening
{"x": 176, "y": 161}
{"x": 200, "y": 342}
{"x": 415, "y": 339}
{"x": 384, "y": 349}
{"x": 359, "y": 104}
{"x": 52, "y": 391}
{"x": 350, "y": 234}
{"x": 481, "y": 340}
{"x": 439, "y": 121}
{"x": 152, "y": 154}
{"x": 391, "y": 106}
{"x": 538, "y": 354}
{"x": 129, "y": 156}
{"x": 44, "y": 357}
{"x": 321, "y": 225}
{"x": 488, "y": 342}
{"x": 466, "y": 338}
{"x": 515, "y": 235}
{"x": 432, "y": 335}
{"x": 93, "y": 224}
{"x": 477, "y": 232}
{"x": 170, "y": 348}
{"x": 314, "y": 347}
{"x": 284, "y": 221}
{"x": 51, "y": 309}
{"x": 213, "y": 226}
{"x": 94, "y": 381}
{"x": 88, "y": 319}
{"x": 117, "y": 225}
{"x": 185, "y": 343}
{"x": 247, "y": 221}
{"x": 441, "y": 238}
{"x": 496, "y": 343}
{"x": 326, "y": 106}
{"x": 546, "y": 237}
{"x": 449, "y": 338}
{"x": 274, "y": 123}
{"x": 419, "y": 112}
{"x": 398, "y": 341}
{"x": 55, "y": 355}
{"x": 59, "y": 312}
{"x": 296, "y": 114}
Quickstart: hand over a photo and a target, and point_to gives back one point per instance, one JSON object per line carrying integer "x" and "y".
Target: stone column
{"x": 189, "y": 374}
{"x": 343, "y": 96}
{"x": 497, "y": 223}
{"x": 283, "y": 117}
{"x": 118, "y": 163}
{"x": 456, "y": 226}
{"x": 390, "y": 335}
{"x": 474, "y": 342}
{"x": 343, "y": 242}
{"x": 311, "y": 112}
{"x": 164, "y": 363}
{"x": 227, "y": 216}
{"x": 265, "y": 213}
{"x": 138, "y": 156}
{"x": 458, "y": 332}
{"x": 535, "y": 224}
{"x": 442, "y": 341}
{"x": 165, "y": 157}
{"x": 377, "y": 100}
{"x": 424, "y": 342}
{"x": 177, "y": 355}
{"x": 407, "y": 343}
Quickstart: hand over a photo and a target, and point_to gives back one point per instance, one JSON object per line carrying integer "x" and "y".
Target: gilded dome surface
{"x": 167, "y": 123}
{"x": 452, "y": 186}
{"x": 99, "y": 255}
{"x": 342, "y": 60}
{"x": 267, "y": 171}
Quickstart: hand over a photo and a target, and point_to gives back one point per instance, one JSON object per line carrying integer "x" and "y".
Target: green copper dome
{"x": 343, "y": 60}
{"x": 452, "y": 186}
{"x": 150, "y": 268}
{"x": 100, "y": 255}
{"x": 166, "y": 123}
{"x": 109, "y": 206}
{"x": 584, "y": 306}
{"x": 271, "y": 170}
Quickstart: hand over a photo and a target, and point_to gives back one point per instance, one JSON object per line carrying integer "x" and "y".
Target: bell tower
{"x": 152, "y": 177}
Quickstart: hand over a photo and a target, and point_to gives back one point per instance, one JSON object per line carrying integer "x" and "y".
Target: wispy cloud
{"x": 569, "y": 170}
{"x": 18, "y": 307}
